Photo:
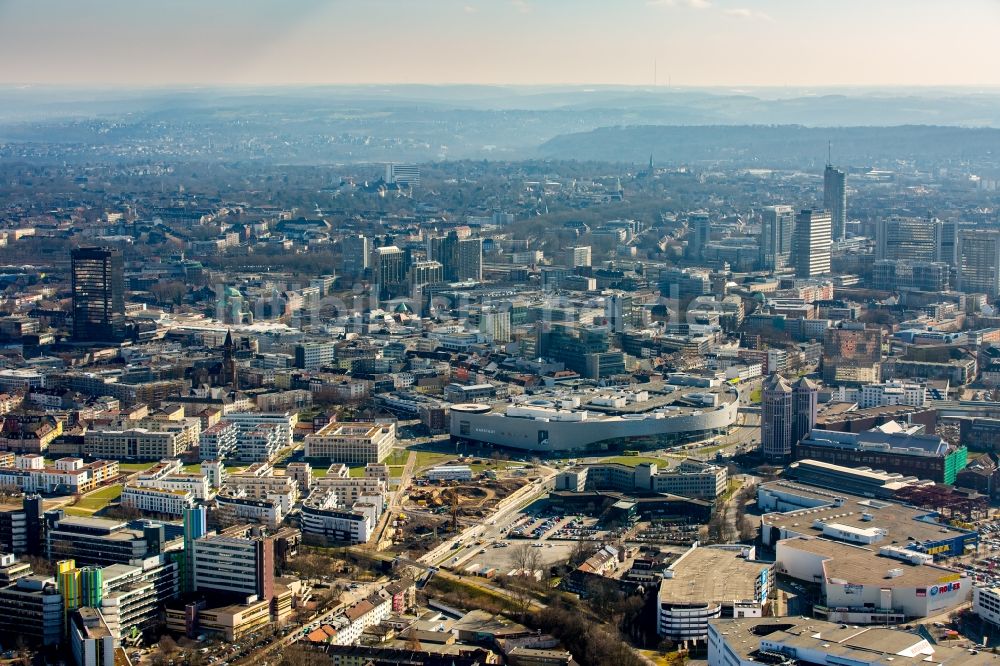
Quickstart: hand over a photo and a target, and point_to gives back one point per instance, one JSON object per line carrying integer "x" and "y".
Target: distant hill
{"x": 778, "y": 145}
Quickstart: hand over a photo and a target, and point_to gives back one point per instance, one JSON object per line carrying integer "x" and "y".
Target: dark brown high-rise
{"x": 98, "y": 294}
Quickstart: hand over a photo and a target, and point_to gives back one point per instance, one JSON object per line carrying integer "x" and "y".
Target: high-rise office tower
{"x": 805, "y": 396}
{"x": 907, "y": 238}
{"x": 390, "y": 272}
{"x": 425, "y": 272}
{"x": 812, "y": 243}
{"x": 699, "y": 234}
{"x": 852, "y": 353}
{"x": 469, "y": 259}
{"x": 835, "y": 200}
{"x": 578, "y": 256}
{"x": 402, "y": 174}
{"x": 947, "y": 243}
{"x": 461, "y": 258}
{"x": 978, "y": 255}
{"x": 357, "y": 252}
{"x": 618, "y": 311}
{"x": 776, "y": 235}
{"x": 195, "y": 527}
{"x": 232, "y": 564}
{"x": 98, "y": 278}
{"x": 776, "y": 418}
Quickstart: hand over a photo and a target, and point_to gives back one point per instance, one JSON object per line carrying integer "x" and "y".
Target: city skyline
{"x": 526, "y": 42}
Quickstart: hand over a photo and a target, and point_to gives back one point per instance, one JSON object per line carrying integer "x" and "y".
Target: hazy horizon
{"x": 684, "y": 43}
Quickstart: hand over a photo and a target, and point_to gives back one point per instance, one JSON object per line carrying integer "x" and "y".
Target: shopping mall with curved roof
{"x": 600, "y": 419}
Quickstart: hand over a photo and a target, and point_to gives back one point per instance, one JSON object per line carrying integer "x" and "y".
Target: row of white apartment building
{"x": 65, "y": 476}
{"x": 218, "y": 442}
{"x": 347, "y": 628}
{"x": 284, "y": 421}
{"x": 256, "y": 494}
{"x": 141, "y": 442}
{"x": 351, "y": 443}
{"x": 170, "y": 475}
{"x": 160, "y": 501}
{"x": 259, "y": 482}
{"x": 345, "y": 509}
{"x": 886, "y": 394}
{"x": 248, "y": 436}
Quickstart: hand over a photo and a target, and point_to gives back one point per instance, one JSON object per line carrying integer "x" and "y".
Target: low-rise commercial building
{"x": 878, "y": 585}
{"x": 229, "y": 621}
{"x": 804, "y": 511}
{"x": 692, "y": 478}
{"x": 449, "y": 473}
{"x": 790, "y": 640}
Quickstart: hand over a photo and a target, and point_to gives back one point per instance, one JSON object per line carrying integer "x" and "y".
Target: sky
{"x": 534, "y": 42}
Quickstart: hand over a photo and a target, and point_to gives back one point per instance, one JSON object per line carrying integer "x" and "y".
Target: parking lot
{"x": 552, "y": 536}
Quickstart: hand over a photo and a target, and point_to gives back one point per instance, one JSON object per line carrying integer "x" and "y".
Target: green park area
{"x": 95, "y": 501}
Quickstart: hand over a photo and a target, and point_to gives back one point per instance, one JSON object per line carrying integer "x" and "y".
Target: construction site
{"x": 433, "y": 512}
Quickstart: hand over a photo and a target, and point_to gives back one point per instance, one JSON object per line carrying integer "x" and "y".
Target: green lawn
{"x": 755, "y": 395}
{"x": 319, "y": 472}
{"x": 632, "y": 461}
{"x": 135, "y": 467}
{"x": 96, "y": 501}
{"x": 356, "y": 472}
{"x": 396, "y": 471}
{"x": 430, "y": 458}
{"x": 397, "y": 457}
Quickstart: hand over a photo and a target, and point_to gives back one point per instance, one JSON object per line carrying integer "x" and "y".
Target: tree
{"x": 167, "y": 645}
{"x": 525, "y": 558}
{"x": 297, "y": 654}
{"x": 747, "y": 528}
